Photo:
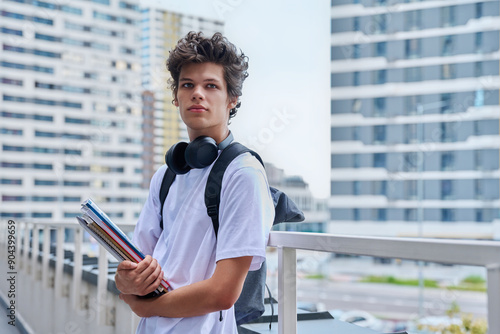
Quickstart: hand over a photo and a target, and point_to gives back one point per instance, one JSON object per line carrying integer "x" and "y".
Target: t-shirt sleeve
{"x": 246, "y": 214}
{"x": 148, "y": 230}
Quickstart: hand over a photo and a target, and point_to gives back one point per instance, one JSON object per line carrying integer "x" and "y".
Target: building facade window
{"x": 447, "y": 215}
{"x": 19, "y": 66}
{"x": 478, "y": 159}
{"x": 479, "y": 10}
{"x": 448, "y": 132}
{"x": 379, "y": 106}
{"x": 412, "y": 48}
{"x": 18, "y": 16}
{"x": 356, "y": 106}
{"x": 413, "y": 74}
{"x": 379, "y": 134}
{"x": 410, "y": 189}
{"x": 446, "y": 189}
{"x": 410, "y": 215}
{"x": 411, "y": 104}
{"x": 380, "y": 49}
{"x": 6, "y": 181}
{"x": 479, "y": 98}
{"x": 355, "y": 23}
{"x": 379, "y": 160}
{"x": 447, "y": 161}
{"x": 448, "y": 71}
{"x": 479, "y": 215}
{"x": 478, "y": 69}
{"x": 11, "y": 132}
{"x": 381, "y": 215}
{"x": 356, "y": 51}
{"x": 9, "y": 31}
{"x": 355, "y": 78}
{"x": 76, "y": 183}
{"x": 355, "y": 214}
{"x": 478, "y": 41}
{"x": 410, "y": 133}
{"x": 13, "y": 82}
{"x": 356, "y": 188}
{"x": 447, "y": 46}
{"x": 478, "y": 189}
{"x": 380, "y": 188}
{"x": 44, "y": 199}
{"x": 410, "y": 161}
{"x": 356, "y": 162}
{"x": 446, "y": 103}
{"x": 413, "y": 20}
{"x": 379, "y": 23}
{"x": 45, "y": 182}
{"x": 448, "y": 16}
{"x": 380, "y": 77}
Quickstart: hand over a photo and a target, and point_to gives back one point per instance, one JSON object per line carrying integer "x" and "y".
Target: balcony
{"x": 42, "y": 294}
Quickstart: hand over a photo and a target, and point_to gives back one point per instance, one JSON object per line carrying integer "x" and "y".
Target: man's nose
{"x": 198, "y": 93}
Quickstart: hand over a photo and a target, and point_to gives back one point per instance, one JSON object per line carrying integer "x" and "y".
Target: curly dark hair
{"x": 195, "y": 48}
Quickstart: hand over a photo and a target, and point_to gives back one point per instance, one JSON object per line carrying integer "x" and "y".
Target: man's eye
{"x": 187, "y": 85}
{"x": 212, "y": 86}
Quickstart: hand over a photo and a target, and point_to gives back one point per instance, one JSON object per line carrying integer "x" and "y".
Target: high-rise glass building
{"x": 70, "y": 109}
{"x": 415, "y": 117}
{"x": 160, "y": 31}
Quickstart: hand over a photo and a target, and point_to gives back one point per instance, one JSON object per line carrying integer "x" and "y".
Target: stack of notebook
{"x": 109, "y": 235}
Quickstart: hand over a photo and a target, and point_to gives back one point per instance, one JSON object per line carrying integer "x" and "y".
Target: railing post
{"x": 3, "y": 238}
{"x": 77, "y": 269}
{"x": 34, "y": 252}
{"x": 46, "y": 256}
{"x": 102, "y": 286}
{"x": 58, "y": 282}
{"x": 19, "y": 246}
{"x": 26, "y": 247}
{"x": 287, "y": 290}
{"x": 493, "y": 299}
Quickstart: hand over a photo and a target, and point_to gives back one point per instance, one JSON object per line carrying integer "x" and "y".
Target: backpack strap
{"x": 214, "y": 181}
{"x": 168, "y": 179}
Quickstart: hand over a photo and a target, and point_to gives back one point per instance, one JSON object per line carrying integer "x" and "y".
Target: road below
{"x": 388, "y": 301}
{"x": 342, "y": 289}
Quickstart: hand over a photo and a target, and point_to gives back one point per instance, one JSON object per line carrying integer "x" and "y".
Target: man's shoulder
{"x": 245, "y": 169}
{"x": 244, "y": 161}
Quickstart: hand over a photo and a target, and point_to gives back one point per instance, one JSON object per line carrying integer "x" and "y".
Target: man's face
{"x": 203, "y": 101}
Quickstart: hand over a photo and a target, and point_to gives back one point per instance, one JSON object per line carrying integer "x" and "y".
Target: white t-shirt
{"x": 187, "y": 249}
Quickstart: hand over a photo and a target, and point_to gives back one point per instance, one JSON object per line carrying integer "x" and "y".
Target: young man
{"x": 206, "y": 272}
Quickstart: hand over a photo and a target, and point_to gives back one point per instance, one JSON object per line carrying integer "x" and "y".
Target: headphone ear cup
{"x": 201, "y": 152}
{"x": 175, "y": 158}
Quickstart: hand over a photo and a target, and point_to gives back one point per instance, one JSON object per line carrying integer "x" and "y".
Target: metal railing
{"x": 466, "y": 252}
{"x": 37, "y": 253}
{"x": 28, "y": 259}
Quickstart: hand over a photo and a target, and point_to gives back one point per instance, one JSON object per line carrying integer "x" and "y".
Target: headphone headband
{"x": 199, "y": 153}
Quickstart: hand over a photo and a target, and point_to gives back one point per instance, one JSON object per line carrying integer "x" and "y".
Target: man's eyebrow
{"x": 205, "y": 80}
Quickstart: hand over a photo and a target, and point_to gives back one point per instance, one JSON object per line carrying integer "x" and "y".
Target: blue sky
{"x": 285, "y": 113}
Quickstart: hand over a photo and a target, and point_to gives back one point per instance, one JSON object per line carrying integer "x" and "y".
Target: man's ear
{"x": 175, "y": 101}
{"x": 233, "y": 101}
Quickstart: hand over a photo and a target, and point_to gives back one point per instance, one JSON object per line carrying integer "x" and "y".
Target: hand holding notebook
{"x": 112, "y": 238}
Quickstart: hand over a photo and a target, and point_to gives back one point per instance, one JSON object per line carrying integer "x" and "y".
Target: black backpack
{"x": 250, "y": 304}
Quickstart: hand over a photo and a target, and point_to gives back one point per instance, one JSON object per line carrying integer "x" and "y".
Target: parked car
{"x": 363, "y": 319}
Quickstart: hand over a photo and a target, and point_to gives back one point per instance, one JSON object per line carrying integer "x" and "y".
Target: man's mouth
{"x": 197, "y": 108}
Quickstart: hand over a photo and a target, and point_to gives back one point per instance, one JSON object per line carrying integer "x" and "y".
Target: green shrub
{"x": 474, "y": 279}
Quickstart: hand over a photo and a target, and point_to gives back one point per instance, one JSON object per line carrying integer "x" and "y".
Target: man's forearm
{"x": 217, "y": 293}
